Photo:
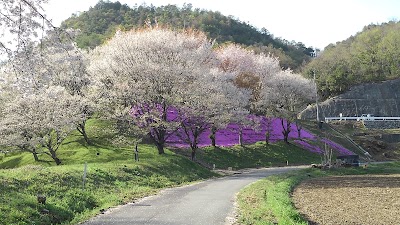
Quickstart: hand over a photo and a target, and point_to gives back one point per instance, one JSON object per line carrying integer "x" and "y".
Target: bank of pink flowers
{"x": 230, "y": 136}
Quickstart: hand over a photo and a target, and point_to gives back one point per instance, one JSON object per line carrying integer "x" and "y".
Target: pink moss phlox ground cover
{"x": 338, "y": 148}
{"x": 229, "y": 135}
{"x": 308, "y": 146}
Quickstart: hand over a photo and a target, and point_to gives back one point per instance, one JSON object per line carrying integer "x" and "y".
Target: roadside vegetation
{"x": 268, "y": 201}
{"x": 257, "y": 155}
{"x": 107, "y": 184}
{"x": 113, "y": 178}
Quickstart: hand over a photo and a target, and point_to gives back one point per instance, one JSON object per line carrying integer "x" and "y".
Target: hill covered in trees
{"x": 372, "y": 55}
{"x": 101, "y": 21}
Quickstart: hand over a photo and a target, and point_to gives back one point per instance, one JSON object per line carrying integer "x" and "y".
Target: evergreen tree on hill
{"x": 101, "y": 21}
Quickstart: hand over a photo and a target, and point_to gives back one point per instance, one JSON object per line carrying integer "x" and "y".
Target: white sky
{"x": 316, "y": 23}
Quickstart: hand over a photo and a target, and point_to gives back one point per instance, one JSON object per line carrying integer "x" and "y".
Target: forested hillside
{"x": 101, "y": 21}
{"x": 370, "y": 56}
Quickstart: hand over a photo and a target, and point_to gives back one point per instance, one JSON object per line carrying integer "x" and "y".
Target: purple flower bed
{"x": 338, "y": 148}
{"x": 308, "y": 146}
{"x": 229, "y": 136}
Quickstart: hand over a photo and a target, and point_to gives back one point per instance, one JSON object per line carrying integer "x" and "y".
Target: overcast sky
{"x": 316, "y": 23}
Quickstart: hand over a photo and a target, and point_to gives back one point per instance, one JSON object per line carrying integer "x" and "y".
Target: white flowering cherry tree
{"x": 249, "y": 69}
{"x": 285, "y": 94}
{"x": 213, "y": 101}
{"x": 65, "y": 65}
{"x": 44, "y": 88}
{"x": 39, "y": 121}
{"x": 150, "y": 72}
{"x": 21, "y": 23}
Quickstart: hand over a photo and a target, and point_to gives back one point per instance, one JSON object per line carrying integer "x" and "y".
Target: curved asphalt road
{"x": 209, "y": 202}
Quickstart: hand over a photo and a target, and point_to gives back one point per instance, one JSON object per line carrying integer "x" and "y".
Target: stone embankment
{"x": 382, "y": 124}
{"x": 380, "y": 99}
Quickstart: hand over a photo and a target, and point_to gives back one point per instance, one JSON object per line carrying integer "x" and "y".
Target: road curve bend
{"x": 205, "y": 203}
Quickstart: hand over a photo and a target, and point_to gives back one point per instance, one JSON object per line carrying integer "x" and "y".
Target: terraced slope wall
{"x": 380, "y": 99}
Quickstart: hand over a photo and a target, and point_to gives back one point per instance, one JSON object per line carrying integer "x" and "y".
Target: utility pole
{"x": 314, "y": 55}
{"x": 316, "y": 98}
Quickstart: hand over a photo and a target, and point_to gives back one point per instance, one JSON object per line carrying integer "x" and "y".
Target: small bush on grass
{"x": 79, "y": 200}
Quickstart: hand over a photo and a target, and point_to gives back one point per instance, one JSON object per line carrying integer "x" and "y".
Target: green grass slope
{"x": 257, "y": 155}
{"x": 113, "y": 178}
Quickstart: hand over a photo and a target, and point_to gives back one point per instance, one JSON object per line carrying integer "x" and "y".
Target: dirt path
{"x": 361, "y": 199}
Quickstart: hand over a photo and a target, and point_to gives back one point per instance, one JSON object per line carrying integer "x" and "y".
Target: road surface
{"x": 210, "y": 202}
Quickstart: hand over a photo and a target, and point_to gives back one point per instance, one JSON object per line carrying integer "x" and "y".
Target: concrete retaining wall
{"x": 382, "y": 124}
{"x": 380, "y": 99}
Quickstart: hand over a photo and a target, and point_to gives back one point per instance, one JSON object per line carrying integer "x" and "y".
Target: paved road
{"x": 208, "y": 203}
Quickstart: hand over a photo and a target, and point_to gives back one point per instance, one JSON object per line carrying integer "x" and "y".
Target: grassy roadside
{"x": 255, "y": 155}
{"x": 268, "y": 201}
{"x": 107, "y": 184}
{"x": 113, "y": 178}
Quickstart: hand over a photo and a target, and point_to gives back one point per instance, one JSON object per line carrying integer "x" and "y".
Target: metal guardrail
{"x": 360, "y": 118}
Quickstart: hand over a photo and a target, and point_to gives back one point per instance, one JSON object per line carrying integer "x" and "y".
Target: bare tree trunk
{"x": 298, "y": 128}
{"x": 285, "y": 131}
{"x": 52, "y": 152}
{"x": 212, "y": 136}
{"x": 241, "y": 136}
{"x": 193, "y": 154}
{"x": 193, "y": 145}
{"x": 158, "y": 137}
{"x": 35, "y": 155}
{"x": 160, "y": 132}
{"x": 54, "y": 156}
{"x": 160, "y": 148}
{"x": 268, "y": 130}
{"x": 26, "y": 148}
{"x": 267, "y": 136}
{"x": 81, "y": 128}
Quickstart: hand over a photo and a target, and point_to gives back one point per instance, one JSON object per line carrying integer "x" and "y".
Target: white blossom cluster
{"x": 43, "y": 97}
{"x": 138, "y": 78}
{"x": 21, "y": 23}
